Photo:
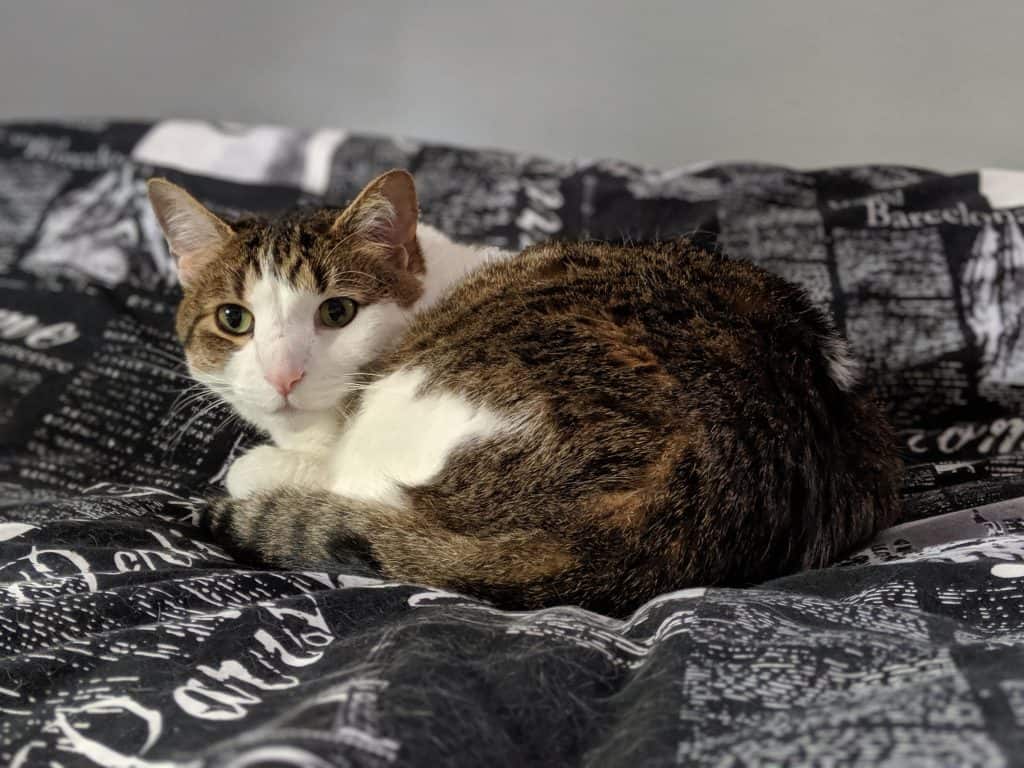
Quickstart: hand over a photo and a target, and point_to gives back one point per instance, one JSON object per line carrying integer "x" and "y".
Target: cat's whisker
{"x": 190, "y": 405}
{"x": 178, "y": 374}
{"x": 158, "y": 351}
{"x": 198, "y": 388}
{"x": 354, "y": 386}
{"x": 173, "y": 445}
{"x": 183, "y": 403}
{"x": 175, "y": 359}
{"x": 187, "y": 397}
{"x": 169, "y": 431}
{"x": 197, "y": 394}
{"x": 227, "y": 421}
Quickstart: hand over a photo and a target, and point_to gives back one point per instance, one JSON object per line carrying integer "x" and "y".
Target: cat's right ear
{"x": 384, "y": 215}
{"x": 194, "y": 234}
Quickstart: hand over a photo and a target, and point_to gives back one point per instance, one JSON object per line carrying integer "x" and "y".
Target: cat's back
{"x": 577, "y": 309}
{"x": 651, "y": 410}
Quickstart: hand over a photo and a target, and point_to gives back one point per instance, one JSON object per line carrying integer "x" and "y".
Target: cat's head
{"x": 278, "y": 316}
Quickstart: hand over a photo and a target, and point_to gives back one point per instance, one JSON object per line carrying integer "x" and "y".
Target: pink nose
{"x": 285, "y": 379}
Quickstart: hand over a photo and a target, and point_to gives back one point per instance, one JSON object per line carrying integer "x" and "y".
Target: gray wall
{"x": 803, "y": 82}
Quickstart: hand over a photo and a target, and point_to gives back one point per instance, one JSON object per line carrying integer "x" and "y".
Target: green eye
{"x": 337, "y": 313}
{"x": 234, "y": 319}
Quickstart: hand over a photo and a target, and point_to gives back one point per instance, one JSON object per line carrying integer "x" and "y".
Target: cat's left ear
{"x": 194, "y": 234}
{"x": 385, "y": 213}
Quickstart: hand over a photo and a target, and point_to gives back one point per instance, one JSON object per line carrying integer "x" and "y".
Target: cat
{"x": 584, "y": 423}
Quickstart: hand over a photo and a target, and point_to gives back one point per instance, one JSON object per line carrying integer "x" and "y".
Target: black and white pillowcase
{"x": 128, "y": 639}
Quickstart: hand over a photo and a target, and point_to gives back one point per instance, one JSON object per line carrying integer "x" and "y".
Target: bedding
{"x": 128, "y": 638}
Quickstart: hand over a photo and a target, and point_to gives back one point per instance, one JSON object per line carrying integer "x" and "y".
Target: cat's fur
{"x": 585, "y": 423}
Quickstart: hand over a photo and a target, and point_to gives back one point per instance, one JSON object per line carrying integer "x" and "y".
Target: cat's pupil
{"x": 335, "y": 309}
{"x": 233, "y": 317}
{"x": 337, "y": 312}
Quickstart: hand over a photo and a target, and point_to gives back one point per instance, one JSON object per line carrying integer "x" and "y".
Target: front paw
{"x": 213, "y": 515}
{"x": 269, "y": 528}
{"x": 257, "y": 470}
{"x": 266, "y": 467}
{"x": 230, "y": 522}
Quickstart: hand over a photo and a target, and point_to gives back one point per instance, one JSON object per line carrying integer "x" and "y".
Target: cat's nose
{"x": 284, "y": 380}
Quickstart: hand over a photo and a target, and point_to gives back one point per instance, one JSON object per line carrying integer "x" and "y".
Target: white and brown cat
{"x": 584, "y": 423}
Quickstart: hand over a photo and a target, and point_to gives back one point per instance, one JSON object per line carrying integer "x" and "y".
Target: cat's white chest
{"x": 401, "y": 437}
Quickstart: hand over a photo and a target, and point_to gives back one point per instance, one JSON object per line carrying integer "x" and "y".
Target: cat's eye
{"x": 337, "y": 312}
{"x": 234, "y": 319}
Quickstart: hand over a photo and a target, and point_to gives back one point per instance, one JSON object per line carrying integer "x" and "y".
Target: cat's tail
{"x": 319, "y": 530}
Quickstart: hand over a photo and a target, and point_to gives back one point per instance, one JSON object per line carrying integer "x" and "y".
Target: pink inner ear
{"x": 194, "y": 234}
{"x": 189, "y": 264}
{"x": 404, "y": 228}
{"x": 401, "y": 257}
{"x": 186, "y": 269}
{"x": 398, "y": 189}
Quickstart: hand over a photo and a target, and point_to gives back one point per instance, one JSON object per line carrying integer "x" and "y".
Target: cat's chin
{"x": 286, "y": 415}
{"x": 289, "y": 425}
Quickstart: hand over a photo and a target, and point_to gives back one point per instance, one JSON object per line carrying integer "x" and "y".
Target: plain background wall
{"x": 801, "y": 82}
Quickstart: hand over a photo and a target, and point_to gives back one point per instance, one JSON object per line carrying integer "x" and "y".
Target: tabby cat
{"x": 584, "y": 423}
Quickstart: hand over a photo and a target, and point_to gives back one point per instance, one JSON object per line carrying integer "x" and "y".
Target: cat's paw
{"x": 264, "y": 468}
{"x": 280, "y": 529}
{"x": 232, "y": 523}
{"x": 213, "y": 515}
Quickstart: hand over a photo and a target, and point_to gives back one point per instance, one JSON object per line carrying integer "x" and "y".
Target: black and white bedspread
{"x": 129, "y": 640}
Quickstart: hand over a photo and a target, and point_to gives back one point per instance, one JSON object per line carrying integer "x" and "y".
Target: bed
{"x": 131, "y": 639}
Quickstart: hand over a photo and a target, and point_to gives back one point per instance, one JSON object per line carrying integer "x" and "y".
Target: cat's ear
{"x": 194, "y": 234}
{"x": 385, "y": 214}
